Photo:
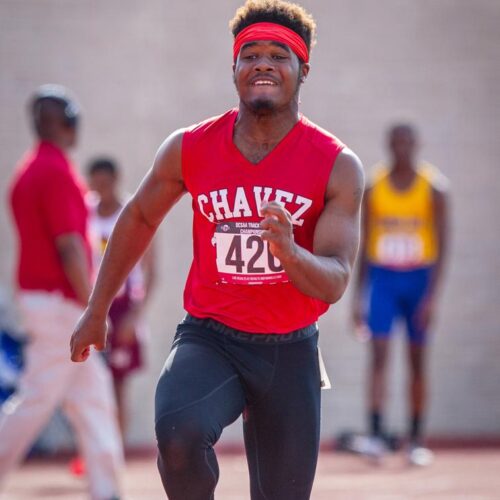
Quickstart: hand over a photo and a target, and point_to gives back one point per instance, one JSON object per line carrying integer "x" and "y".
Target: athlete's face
{"x": 72, "y": 136}
{"x": 104, "y": 184}
{"x": 402, "y": 144}
{"x": 50, "y": 123}
{"x": 268, "y": 75}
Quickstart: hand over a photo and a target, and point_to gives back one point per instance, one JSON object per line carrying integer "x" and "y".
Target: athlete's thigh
{"x": 197, "y": 381}
{"x": 414, "y": 290}
{"x": 282, "y": 429}
{"x": 382, "y": 303}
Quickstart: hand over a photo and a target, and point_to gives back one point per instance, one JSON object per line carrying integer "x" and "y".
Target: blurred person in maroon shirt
{"x": 128, "y": 334}
{"x": 53, "y": 274}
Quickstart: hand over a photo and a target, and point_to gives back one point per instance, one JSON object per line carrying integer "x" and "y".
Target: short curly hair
{"x": 287, "y": 14}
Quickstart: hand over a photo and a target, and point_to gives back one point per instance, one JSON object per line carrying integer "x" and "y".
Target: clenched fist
{"x": 90, "y": 330}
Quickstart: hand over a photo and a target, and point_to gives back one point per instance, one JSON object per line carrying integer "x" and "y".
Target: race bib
{"x": 400, "y": 250}
{"x": 243, "y": 257}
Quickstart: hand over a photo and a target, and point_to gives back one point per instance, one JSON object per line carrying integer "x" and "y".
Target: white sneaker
{"x": 420, "y": 456}
{"x": 371, "y": 446}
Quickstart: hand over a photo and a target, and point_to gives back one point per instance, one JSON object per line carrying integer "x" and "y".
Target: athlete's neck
{"x": 264, "y": 128}
{"x": 107, "y": 207}
{"x": 56, "y": 142}
{"x": 402, "y": 174}
{"x": 403, "y": 167}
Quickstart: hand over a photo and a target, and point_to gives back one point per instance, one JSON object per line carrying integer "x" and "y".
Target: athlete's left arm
{"x": 441, "y": 209}
{"x": 325, "y": 272}
{"x": 441, "y": 227}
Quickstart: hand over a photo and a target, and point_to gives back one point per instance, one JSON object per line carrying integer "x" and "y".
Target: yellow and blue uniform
{"x": 401, "y": 248}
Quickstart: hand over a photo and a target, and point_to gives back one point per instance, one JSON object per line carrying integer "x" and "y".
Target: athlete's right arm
{"x": 162, "y": 187}
{"x": 358, "y": 306}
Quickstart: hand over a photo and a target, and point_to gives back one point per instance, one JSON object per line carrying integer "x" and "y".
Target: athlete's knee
{"x": 417, "y": 362}
{"x": 179, "y": 440}
{"x": 379, "y": 361}
{"x": 417, "y": 375}
{"x": 175, "y": 452}
{"x": 379, "y": 354}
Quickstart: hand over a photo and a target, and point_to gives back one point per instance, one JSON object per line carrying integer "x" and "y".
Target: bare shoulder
{"x": 439, "y": 182}
{"x": 440, "y": 193}
{"x": 440, "y": 188}
{"x": 163, "y": 185}
{"x": 168, "y": 160}
{"x": 347, "y": 178}
{"x": 440, "y": 197}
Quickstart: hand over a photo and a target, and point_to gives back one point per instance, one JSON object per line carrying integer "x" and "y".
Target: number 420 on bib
{"x": 243, "y": 257}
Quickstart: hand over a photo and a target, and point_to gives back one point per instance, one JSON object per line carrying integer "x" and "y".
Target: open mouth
{"x": 264, "y": 82}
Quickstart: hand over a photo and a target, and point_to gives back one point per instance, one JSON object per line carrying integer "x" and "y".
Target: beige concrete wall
{"x": 142, "y": 69}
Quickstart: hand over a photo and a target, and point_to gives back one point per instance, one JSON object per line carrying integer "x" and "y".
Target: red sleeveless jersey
{"x": 234, "y": 278}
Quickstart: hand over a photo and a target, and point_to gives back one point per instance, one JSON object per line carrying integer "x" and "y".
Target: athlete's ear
{"x": 234, "y": 74}
{"x": 304, "y": 71}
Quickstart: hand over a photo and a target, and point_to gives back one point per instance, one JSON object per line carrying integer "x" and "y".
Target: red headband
{"x": 273, "y": 32}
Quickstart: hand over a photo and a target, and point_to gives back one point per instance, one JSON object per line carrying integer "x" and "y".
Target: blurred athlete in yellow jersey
{"x": 404, "y": 247}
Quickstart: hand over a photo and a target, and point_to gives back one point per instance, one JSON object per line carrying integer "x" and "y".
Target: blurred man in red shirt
{"x": 54, "y": 285}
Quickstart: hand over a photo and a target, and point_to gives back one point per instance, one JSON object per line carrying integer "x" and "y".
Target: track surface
{"x": 456, "y": 474}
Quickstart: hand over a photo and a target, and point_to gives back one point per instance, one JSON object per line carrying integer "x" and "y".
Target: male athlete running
{"x": 276, "y": 203}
